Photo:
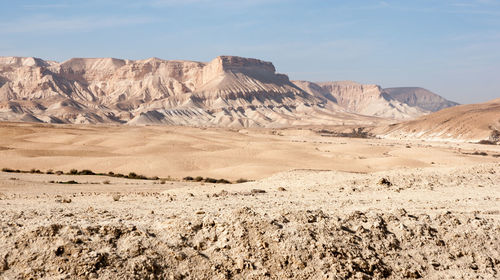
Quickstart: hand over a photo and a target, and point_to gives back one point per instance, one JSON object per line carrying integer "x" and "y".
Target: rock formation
{"x": 228, "y": 91}
{"x": 362, "y": 99}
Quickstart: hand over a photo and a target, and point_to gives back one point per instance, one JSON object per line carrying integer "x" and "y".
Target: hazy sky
{"x": 451, "y": 47}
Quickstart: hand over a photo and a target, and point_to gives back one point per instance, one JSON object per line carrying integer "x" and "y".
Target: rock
{"x": 385, "y": 182}
{"x": 256, "y": 191}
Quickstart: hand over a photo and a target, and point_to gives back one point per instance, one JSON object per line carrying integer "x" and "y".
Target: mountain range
{"x": 228, "y": 91}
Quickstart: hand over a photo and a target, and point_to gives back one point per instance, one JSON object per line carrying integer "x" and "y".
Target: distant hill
{"x": 472, "y": 122}
{"x": 419, "y": 97}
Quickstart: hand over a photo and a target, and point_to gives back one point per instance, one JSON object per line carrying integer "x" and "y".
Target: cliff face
{"x": 362, "y": 99}
{"x": 227, "y": 91}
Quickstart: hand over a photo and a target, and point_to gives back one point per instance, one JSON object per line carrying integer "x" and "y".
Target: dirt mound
{"x": 243, "y": 244}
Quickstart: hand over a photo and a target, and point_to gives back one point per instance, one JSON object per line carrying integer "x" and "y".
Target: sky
{"x": 451, "y": 47}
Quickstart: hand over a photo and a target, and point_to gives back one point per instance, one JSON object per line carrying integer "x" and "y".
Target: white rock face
{"x": 228, "y": 91}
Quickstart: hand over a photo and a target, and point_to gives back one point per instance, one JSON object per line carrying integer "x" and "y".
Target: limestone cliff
{"x": 227, "y": 91}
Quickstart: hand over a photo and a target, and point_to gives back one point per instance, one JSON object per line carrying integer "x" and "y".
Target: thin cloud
{"x": 45, "y": 6}
{"x": 51, "y": 25}
{"x": 225, "y": 3}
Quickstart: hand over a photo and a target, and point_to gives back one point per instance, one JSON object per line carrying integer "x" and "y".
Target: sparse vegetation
{"x": 131, "y": 175}
{"x": 210, "y": 180}
{"x": 355, "y": 133}
{"x": 477, "y": 153}
{"x": 70, "y": 182}
{"x": 487, "y": 142}
{"x": 86, "y": 172}
{"x": 494, "y": 138}
{"x": 198, "y": 179}
{"x": 223, "y": 181}
{"x": 241, "y": 180}
{"x": 207, "y": 180}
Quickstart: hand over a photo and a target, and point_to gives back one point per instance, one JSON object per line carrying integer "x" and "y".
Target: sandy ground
{"x": 436, "y": 220}
{"x": 220, "y": 153}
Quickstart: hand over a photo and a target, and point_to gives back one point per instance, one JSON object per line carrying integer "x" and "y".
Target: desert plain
{"x": 313, "y": 206}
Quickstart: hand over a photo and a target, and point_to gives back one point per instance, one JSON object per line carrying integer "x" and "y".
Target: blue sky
{"x": 451, "y": 47}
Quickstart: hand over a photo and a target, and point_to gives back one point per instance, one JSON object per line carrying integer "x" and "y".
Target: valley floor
{"x": 376, "y": 209}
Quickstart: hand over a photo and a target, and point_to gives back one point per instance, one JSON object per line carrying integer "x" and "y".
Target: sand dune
{"x": 221, "y": 153}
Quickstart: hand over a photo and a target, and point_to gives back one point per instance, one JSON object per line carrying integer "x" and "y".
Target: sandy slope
{"x": 471, "y": 122}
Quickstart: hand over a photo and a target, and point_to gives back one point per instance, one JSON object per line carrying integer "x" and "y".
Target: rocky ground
{"x": 433, "y": 223}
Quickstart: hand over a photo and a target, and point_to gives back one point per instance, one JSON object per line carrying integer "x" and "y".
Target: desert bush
{"x": 210, "y": 180}
{"x": 223, "y": 181}
{"x": 70, "y": 182}
{"x": 241, "y": 180}
{"x": 35, "y": 171}
{"x": 8, "y": 170}
{"x": 198, "y": 179}
{"x": 59, "y": 172}
{"x": 133, "y": 175}
{"x": 355, "y": 133}
{"x": 73, "y": 172}
{"x": 116, "y": 197}
{"x": 188, "y": 178}
{"x": 50, "y": 171}
{"x": 106, "y": 182}
{"x": 487, "y": 142}
{"x": 86, "y": 172}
